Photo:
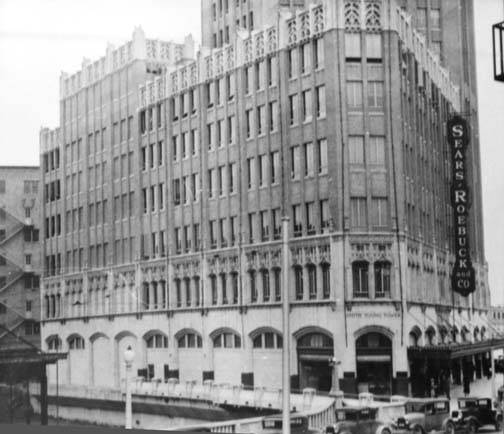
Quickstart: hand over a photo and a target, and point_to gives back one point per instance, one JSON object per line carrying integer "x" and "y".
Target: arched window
{"x": 187, "y": 284}
{"x": 373, "y": 340}
{"x": 315, "y": 340}
{"x": 213, "y": 287}
{"x": 196, "y": 290}
{"x": 382, "y": 279}
{"x": 414, "y": 337}
{"x": 360, "y": 270}
{"x": 298, "y": 280}
{"x": 190, "y": 340}
{"x": 227, "y": 340}
{"x": 223, "y": 277}
{"x": 476, "y": 334}
{"x": 277, "y": 283}
{"x": 76, "y": 343}
{"x": 156, "y": 340}
{"x": 178, "y": 292}
{"x": 312, "y": 281}
{"x": 54, "y": 343}
{"x": 266, "y": 285}
{"x": 431, "y": 334}
{"x": 326, "y": 280}
{"x": 268, "y": 340}
{"x": 234, "y": 286}
{"x": 253, "y": 286}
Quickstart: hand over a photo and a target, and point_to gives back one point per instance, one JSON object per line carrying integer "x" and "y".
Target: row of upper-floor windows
{"x": 51, "y": 160}
{"x": 153, "y": 198}
{"x": 29, "y": 186}
{"x": 372, "y": 212}
{"x": 52, "y": 191}
{"x": 363, "y": 280}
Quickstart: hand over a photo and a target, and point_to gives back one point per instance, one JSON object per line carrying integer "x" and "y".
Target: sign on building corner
{"x": 463, "y": 275}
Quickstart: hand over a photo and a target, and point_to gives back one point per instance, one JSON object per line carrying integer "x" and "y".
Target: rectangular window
{"x": 373, "y": 46}
{"x": 295, "y": 162}
{"x": 210, "y": 132}
{"x": 176, "y": 192}
{"x": 251, "y": 226}
{"x": 232, "y": 228}
{"x": 353, "y": 46}
{"x": 354, "y": 94}
{"x": 320, "y": 101}
{"x": 296, "y": 220}
{"x": 262, "y": 170}
{"x": 211, "y": 183}
{"x": 230, "y": 84}
{"x": 275, "y": 167}
{"x": 435, "y": 18}
{"x": 307, "y": 105}
{"x": 221, "y": 180}
{"x": 248, "y": 121}
{"x": 232, "y": 177}
{"x": 305, "y": 58}
{"x": 293, "y": 109}
{"x": 231, "y": 129}
{"x": 250, "y": 172}
{"x": 310, "y": 218}
{"x": 273, "y": 116}
{"x": 292, "y": 62}
{"x": 324, "y": 215}
{"x": 356, "y": 149}
{"x": 213, "y": 234}
{"x": 319, "y": 53}
{"x": 379, "y": 212}
{"x": 375, "y": 94}
{"x": 271, "y": 70}
{"x": 421, "y": 17}
{"x": 376, "y": 154}
{"x": 322, "y": 156}
{"x": 260, "y": 119}
{"x": 249, "y": 76}
{"x": 175, "y": 148}
{"x": 309, "y": 159}
{"x": 196, "y": 236}
{"x": 264, "y": 220}
{"x": 358, "y": 211}
{"x": 277, "y": 224}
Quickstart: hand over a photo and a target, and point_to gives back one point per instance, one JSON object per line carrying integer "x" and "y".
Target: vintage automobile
{"x": 423, "y": 415}
{"x": 357, "y": 420}
{"x": 473, "y": 414}
{"x": 299, "y": 425}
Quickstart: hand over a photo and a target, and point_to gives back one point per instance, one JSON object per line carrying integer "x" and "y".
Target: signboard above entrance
{"x": 463, "y": 275}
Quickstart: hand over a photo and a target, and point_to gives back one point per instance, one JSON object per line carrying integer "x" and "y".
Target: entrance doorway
{"x": 314, "y": 353}
{"x": 374, "y": 363}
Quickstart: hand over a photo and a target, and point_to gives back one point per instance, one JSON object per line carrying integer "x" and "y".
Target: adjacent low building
{"x": 20, "y": 266}
{"x": 173, "y": 177}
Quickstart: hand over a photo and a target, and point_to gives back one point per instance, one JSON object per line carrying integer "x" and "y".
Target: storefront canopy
{"x": 454, "y": 350}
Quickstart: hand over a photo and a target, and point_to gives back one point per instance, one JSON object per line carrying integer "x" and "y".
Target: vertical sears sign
{"x": 462, "y": 278}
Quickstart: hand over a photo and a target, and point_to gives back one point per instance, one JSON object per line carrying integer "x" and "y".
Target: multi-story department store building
{"x": 163, "y": 214}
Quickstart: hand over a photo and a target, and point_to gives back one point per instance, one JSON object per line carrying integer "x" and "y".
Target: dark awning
{"x": 455, "y": 350}
{"x": 29, "y": 356}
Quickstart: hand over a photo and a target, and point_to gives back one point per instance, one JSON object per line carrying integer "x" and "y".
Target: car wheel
{"x": 450, "y": 428}
{"x": 472, "y": 428}
{"x": 386, "y": 431}
{"x": 418, "y": 430}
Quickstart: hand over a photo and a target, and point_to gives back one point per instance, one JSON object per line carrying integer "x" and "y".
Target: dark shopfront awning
{"x": 25, "y": 364}
{"x": 455, "y": 350}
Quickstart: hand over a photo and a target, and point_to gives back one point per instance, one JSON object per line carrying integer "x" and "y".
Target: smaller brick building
{"x": 20, "y": 265}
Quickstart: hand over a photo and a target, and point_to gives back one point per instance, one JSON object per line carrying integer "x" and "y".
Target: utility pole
{"x": 286, "y": 329}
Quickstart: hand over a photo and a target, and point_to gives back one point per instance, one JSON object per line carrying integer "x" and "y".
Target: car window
{"x": 429, "y": 408}
{"x": 441, "y": 407}
{"x": 341, "y": 415}
{"x": 364, "y": 415}
{"x": 483, "y": 403}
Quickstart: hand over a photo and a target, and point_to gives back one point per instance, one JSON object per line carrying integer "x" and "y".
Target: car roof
{"x": 279, "y": 416}
{"x": 472, "y": 398}
{"x": 354, "y": 409}
{"x": 425, "y": 400}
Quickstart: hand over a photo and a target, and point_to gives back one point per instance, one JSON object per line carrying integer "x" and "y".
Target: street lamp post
{"x": 286, "y": 329}
{"x": 334, "y": 363}
{"x": 129, "y": 356}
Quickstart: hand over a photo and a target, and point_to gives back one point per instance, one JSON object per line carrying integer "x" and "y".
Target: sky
{"x": 41, "y": 38}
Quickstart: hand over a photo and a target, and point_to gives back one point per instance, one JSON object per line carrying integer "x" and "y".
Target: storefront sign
{"x": 462, "y": 277}
{"x": 373, "y": 315}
